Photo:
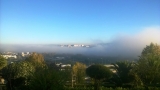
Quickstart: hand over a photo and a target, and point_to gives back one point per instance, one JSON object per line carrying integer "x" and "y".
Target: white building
{"x": 65, "y": 65}
{"x": 25, "y": 54}
{"x": 9, "y": 56}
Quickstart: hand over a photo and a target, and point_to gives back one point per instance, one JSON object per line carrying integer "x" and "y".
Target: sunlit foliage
{"x": 3, "y": 62}
{"x": 79, "y": 71}
{"x": 37, "y": 60}
{"x": 17, "y": 74}
{"x": 147, "y": 70}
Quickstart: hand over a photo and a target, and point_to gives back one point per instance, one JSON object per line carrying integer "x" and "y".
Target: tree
{"x": 37, "y": 60}
{"x": 48, "y": 79}
{"x": 123, "y": 75}
{"x": 17, "y": 74}
{"x": 3, "y": 62}
{"x": 79, "y": 72}
{"x": 148, "y": 67}
{"x": 152, "y": 49}
{"x": 98, "y": 73}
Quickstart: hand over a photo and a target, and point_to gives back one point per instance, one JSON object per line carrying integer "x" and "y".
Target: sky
{"x": 78, "y": 21}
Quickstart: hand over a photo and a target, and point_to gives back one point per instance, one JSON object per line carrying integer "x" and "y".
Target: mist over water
{"x": 121, "y": 46}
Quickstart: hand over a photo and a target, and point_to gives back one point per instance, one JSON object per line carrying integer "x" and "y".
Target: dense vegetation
{"x": 34, "y": 73}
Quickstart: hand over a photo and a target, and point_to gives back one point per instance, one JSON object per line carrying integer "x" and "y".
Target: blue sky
{"x": 74, "y": 21}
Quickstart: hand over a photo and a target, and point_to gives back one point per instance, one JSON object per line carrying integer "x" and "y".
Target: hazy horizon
{"x": 120, "y": 46}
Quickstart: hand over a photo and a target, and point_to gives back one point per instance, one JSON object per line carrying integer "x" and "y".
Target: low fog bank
{"x": 120, "y": 46}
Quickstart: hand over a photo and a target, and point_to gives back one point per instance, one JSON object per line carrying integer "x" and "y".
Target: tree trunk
{"x": 97, "y": 85}
{"x": 72, "y": 81}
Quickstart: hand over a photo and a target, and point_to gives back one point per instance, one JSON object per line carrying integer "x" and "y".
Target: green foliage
{"x": 48, "y": 79}
{"x": 147, "y": 70}
{"x": 153, "y": 49}
{"x": 118, "y": 88}
{"x": 123, "y": 75}
{"x": 98, "y": 73}
{"x": 17, "y": 74}
{"x": 37, "y": 60}
{"x": 19, "y": 69}
{"x": 3, "y": 62}
{"x": 79, "y": 71}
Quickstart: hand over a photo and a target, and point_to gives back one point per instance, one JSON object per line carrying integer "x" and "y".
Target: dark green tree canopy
{"x": 17, "y": 74}
{"x": 48, "y": 79}
{"x": 123, "y": 69}
{"x": 98, "y": 72}
{"x": 19, "y": 69}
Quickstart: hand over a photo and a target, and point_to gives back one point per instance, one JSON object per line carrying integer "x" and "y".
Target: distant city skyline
{"x": 77, "y": 21}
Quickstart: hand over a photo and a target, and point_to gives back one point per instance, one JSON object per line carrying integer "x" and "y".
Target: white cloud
{"x": 132, "y": 45}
